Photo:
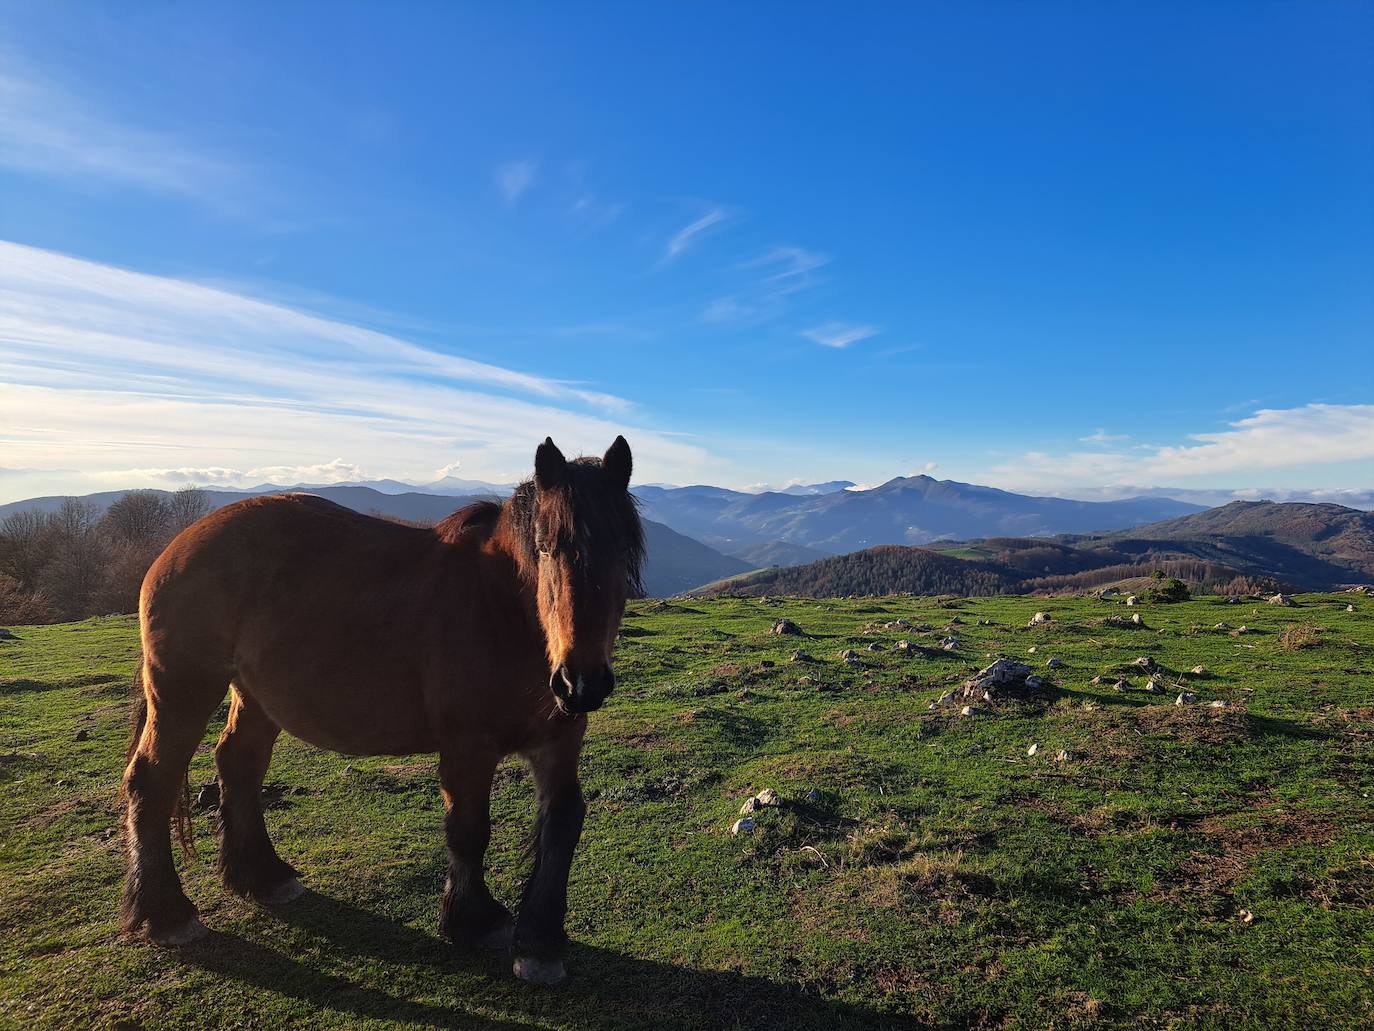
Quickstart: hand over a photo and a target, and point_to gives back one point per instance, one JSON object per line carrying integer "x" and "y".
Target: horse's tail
{"x": 138, "y": 718}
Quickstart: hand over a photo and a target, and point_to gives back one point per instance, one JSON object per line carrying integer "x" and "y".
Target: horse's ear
{"x": 550, "y": 467}
{"x": 618, "y": 463}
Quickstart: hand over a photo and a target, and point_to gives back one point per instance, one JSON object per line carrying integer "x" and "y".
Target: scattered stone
{"x": 83, "y": 734}
{"x": 1200, "y": 671}
{"x": 751, "y": 805}
{"x": 1245, "y": 916}
{"x": 1233, "y": 600}
{"x": 945, "y": 697}
{"x": 1005, "y": 676}
{"x": 813, "y": 795}
{"x": 969, "y": 710}
{"x": 1144, "y": 662}
{"x": 1055, "y": 663}
{"x": 1030, "y": 650}
{"x": 875, "y": 647}
{"x": 1040, "y": 618}
{"x": 805, "y": 681}
{"x": 849, "y": 653}
{"x": 1097, "y": 680}
{"x": 949, "y": 643}
{"x": 852, "y": 660}
{"x": 744, "y": 825}
{"x": 1032, "y": 750}
{"x": 1216, "y": 703}
{"x": 1034, "y": 683}
{"x": 903, "y": 646}
{"x": 1132, "y": 600}
{"x": 785, "y": 627}
{"x": 1238, "y": 631}
{"x": 955, "y": 621}
{"x": 6, "y": 633}
{"x": 1350, "y": 608}
{"x": 801, "y": 656}
{"x": 1061, "y": 756}
{"x": 768, "y": 797}
{"x": 1222, "y": 626}
{"x": 988, "y": 622}
{"x": 1282, "y": 599}
{"x": 1122, "y": 686}
{"x": 1135, "y": 618}
{"x": 1186, "y": 698}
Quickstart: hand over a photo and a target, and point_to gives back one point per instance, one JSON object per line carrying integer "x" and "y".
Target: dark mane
{"x": 605, "y": 513}
{"x": 480, "y": 515}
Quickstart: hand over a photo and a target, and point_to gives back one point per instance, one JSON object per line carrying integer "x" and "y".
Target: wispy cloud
{"x": 689, "y": 234}
{"x": 46, "y": 130}
{"x": 514, "y": 178}
{"x": 1101, "y": 436}
{"x": 840, "y": 334}
{"x": 787, "y": 270}
{"x": 1272, "y": 438}
{"x": 104, "y": 369}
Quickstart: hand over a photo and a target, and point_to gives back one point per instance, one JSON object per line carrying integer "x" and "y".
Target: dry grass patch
{"x": 1295, "y": 637}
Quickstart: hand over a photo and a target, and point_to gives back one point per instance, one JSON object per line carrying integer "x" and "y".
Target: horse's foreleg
{"x": 468, "y": 914}
{"x": 248, "y": 863}
{"x": 540, "y": 940}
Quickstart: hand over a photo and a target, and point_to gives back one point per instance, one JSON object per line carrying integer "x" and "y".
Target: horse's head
{"x": 588, "y": 546}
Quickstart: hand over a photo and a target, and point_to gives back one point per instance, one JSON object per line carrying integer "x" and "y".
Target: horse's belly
{"x": 344, "y": 714}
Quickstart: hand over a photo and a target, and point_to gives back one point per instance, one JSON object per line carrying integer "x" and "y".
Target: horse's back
{"x": 310, "y": 607}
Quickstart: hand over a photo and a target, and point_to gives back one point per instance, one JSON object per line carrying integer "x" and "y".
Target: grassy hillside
{"x": 940, "y": 874}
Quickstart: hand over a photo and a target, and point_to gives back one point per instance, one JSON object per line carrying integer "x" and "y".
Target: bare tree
{"x": 185, "y": 506}
{"x": 22, "y": 546}
{"x": 75, "y": 569}
{"x": 141, "y": 518}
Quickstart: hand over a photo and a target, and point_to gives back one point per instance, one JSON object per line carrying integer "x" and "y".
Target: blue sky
{"x": 1049, "y": 247}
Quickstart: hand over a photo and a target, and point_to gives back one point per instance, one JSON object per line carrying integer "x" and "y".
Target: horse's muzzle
{"x": 578, "y": 691}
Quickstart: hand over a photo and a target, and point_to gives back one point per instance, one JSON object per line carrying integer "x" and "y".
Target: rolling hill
{"x": 1241, "y": 546}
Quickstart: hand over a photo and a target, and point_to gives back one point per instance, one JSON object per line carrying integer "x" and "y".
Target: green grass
{"x": 942, "y": 877}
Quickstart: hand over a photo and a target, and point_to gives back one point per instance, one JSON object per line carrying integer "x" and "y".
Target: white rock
{"x": 768, "y": 797}
{"x": 1061, "y": 756}
{"x": 1186, "y": 698}
{"x": 1216, "y": 703}
{"x": 751, "y": 805}
{"x": 1032, "y": 749}
{"x": 946, "y": 696}
{"x": 1131, "y": 600}
{"x": 968, "y": 710}
{"x": 1041, "y": 617}
{"x": 1135, "y": 618}
{"x": 1199, "y": 671}
{"x": 1030, "y": 650}
{"x": 744, "y": 826}
{"x": 1350, "y": 608}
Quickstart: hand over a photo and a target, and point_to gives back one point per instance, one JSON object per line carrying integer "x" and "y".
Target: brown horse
{"x": 488, "y": 635}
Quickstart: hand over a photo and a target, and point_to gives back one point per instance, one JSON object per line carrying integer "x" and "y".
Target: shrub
{"x": 1170, "y": 590}
{"x": 1295, "y": 638}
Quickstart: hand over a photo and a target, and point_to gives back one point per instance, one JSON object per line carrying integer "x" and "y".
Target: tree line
{"x": 78, "y": 561}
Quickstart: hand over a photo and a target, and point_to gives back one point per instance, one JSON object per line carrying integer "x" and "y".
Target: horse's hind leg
{"x": 178, "y": 710}
{"x": 468, "y": 914}
{"x": 248, "y": 864}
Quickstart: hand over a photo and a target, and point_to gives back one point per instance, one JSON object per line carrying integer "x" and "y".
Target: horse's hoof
{"x": 191, "y": 931}
{"x": 286, "y": 891}
{"x": 540, "y": 971}
{"x": 499, "y": 937}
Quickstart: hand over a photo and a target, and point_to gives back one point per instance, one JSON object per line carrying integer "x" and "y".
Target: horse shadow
{"x": 605, "y": 990}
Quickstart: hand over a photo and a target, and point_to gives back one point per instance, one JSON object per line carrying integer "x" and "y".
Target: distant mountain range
{"x": 1240, "y": 546}
{"x": 906, "y": 510}
{"x": 702, "y": 534}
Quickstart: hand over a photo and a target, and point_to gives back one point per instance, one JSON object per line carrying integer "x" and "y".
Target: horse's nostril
{"x": 561, "y": 682}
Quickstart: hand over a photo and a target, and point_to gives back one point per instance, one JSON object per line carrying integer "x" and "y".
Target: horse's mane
{"x": 608, "y": 514}
{"x": 480, "y": 516}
